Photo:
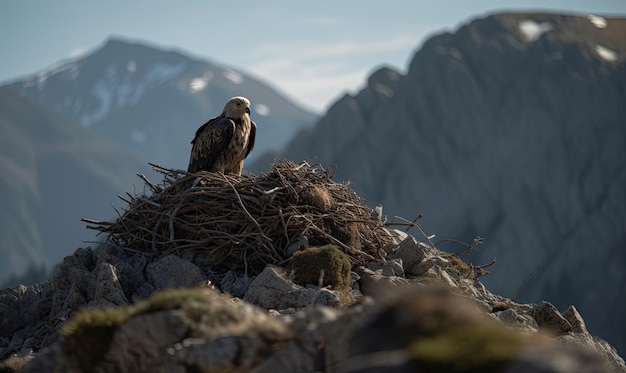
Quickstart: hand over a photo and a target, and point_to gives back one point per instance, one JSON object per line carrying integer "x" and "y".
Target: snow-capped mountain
{"x": 512, "y": 128}
{"x": 151, "y": 101}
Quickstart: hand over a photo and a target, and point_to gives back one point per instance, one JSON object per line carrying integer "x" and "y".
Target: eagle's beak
{"x": 248, "y": 110}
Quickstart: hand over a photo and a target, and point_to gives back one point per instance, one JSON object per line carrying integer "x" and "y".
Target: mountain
{"x": 150, "y": 101}
{"x": 511, "y": 128}
{"x": 53, "y": 174}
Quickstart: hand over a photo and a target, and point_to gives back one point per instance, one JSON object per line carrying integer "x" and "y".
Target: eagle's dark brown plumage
{"x": 222, "y": 143}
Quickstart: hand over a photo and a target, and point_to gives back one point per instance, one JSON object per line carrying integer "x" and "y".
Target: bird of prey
{"x": 222, "y": 143}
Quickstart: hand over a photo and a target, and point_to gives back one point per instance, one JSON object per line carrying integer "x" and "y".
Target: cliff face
{"x": 511, "y": 128}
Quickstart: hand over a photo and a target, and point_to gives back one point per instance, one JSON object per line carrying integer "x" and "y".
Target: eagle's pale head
{"x": 237, "y": 107}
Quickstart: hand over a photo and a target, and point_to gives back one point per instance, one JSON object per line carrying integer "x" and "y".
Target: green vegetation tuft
{"x": 457, "y": 263}
{"x": 474, "y": 346}
{"x": 89, "y": 333}
{"x": 170, "y": 299}
{"x": 325, "y": 262}
{"x": 14, "y": 364}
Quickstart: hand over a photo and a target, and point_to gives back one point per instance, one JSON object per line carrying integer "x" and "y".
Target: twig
{"x": 414, "y": 224}
{"x": 524, "y": 282}
{"x": 245, "y": 209}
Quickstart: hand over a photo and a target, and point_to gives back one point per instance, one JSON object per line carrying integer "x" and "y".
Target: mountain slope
{"x": 150, "y": 101}
{"x": 54, "y": 174}
{"x": 511, "y": 128}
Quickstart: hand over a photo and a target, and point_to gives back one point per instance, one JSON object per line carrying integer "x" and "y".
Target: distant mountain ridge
{"x": 75, "y": 134}
{"x": 511, "y": 128}
{"x": 151, "y": 101}
{"x": 54, "y": 174}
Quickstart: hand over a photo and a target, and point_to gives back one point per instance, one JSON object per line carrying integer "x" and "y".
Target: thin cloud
{"x": 333, "y": 50}
{"x": 317, "y": 73}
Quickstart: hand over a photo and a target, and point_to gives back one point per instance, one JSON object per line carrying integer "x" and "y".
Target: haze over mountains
{"x": 53, "y": 173}
{"x": 512, "y": 128}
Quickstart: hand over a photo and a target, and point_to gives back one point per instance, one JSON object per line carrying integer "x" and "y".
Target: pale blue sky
{"x": 312, "y": 51}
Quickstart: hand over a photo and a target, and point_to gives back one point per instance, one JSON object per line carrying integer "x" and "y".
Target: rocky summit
{"x": 287, "y": 271}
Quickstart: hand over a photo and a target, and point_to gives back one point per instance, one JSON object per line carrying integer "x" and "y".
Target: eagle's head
{"x": 237, "y": 107}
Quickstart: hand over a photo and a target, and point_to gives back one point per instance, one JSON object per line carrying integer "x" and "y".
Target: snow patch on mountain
{"x": 198, "y": 84}
{"x": 533, "y": 30}
{"x": 261, "y": 109}
{"x": 118, "y": 90}
{"x": 606, "y": 53}
{"x": 597, "y": 21}
{"x": 233, "y": 76}
{"x": 102, "y": 92}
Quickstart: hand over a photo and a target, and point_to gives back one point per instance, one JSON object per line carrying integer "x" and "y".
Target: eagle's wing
{"x": 251, "y": 138}
{"x": 211, "y": 139}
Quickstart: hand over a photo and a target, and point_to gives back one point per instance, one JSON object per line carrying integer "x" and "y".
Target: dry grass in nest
{"x": 244, "y": 223}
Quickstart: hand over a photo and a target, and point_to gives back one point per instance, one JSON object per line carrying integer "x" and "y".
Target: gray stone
{"x": 108, "y": 287}
{"x": 235, "y": 284}
{"x": 173, "y": 272}
{"x": 397, "y": 236}
{"x": 518, "y": 321}
{"x": 271, "y": 290}
{"x": 143, "y": 292}
{"x": 375, "y": 284}
{"x": 575, "y": 320}
{"x": 391, "y": 267}
{"x": 550, "y": 319}
{"x": 130, "y": 277}
{"x": 412, "y": 253}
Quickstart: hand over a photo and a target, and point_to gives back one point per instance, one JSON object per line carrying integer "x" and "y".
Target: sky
{"x": 312, "y": 51}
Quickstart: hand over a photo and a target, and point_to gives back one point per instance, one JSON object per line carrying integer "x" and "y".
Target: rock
{"x": 412, "y": 253}
{"x": 550, "y": 319}
{"x": 518, "y": 321}
{"x": 236, "y": 285}
{"x": 173, "y": 272}
{"x": 391, "y": 267}
{"x": 575, "y": 320}
{"x": 130, "y": 277}
{"x": 108, "y": 287}
{"x": 375, "y": 284}
{"x": 143, "y": 292}
{"x": 397, "y": 236}
{"x": 271, "y": 290}
{"x": 170, "y": 332}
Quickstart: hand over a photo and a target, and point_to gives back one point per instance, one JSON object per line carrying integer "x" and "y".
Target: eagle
{"x": 222, "y": 143}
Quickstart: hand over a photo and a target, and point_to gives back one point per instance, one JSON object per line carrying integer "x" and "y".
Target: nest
{"x": 243, "y": 223}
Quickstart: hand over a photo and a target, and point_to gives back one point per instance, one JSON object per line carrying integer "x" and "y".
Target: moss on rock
{"x": 89, "y": 333}
{"x": 327, "y": 263}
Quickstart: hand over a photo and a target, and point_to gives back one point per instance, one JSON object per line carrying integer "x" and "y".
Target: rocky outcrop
{"x": 285, "y": 271}
{"x": 511, "y": 128}
{"x": 424, "y": 305}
